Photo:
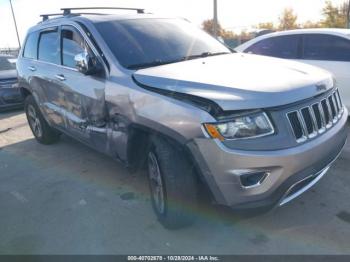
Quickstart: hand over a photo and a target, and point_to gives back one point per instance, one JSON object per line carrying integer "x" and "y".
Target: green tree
{"x": 288, "y": 20}
{"x": 311, "y": 24}
{"x": 266, "y": 25}
{"x": 335, "y": 16}
{"x": 208, "y": 26}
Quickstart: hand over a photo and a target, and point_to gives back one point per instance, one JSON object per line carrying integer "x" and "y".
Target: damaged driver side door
{"x": 84, "y": 93}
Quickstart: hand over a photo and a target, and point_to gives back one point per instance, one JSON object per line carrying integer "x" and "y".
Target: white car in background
{"x": 326, "y": 48}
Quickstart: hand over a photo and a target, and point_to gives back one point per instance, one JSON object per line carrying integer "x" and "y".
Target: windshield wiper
{"x": 161, "y": 62}
{"x": 151, "y": 64}
{"x": 205, "y": 54}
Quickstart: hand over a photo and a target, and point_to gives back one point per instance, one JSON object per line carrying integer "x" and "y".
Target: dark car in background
{"x": 10, "y": 94}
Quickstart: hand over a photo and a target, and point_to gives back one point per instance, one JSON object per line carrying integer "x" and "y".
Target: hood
{"x": 239, "y": 81}
{"x": 8, "y": 74}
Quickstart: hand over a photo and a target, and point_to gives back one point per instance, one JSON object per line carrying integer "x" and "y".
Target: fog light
{"x": 253, "y": 179}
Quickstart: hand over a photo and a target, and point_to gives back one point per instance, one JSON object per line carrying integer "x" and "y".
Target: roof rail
{"x": 46, "y": 16}
{"x": 67, "y": 11}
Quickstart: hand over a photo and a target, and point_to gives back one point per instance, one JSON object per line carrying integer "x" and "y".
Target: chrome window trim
{"x": 59, "y": 25}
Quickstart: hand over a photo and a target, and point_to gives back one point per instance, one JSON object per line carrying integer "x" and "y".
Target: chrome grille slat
{"x": 322, "y": 116}
{"x": 339, "y": 101}
{"x": 335, "y": 104}
{"x": 301, "y": 120}
{"x": 310, "y": 121}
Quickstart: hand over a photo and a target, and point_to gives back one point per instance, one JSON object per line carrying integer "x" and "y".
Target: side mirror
{"x": 86, "y": 64}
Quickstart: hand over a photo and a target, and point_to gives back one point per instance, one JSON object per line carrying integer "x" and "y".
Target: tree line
{"x": 333, "y": 16}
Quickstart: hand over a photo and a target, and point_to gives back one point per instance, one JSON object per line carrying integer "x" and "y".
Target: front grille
{"x": 310, "y": 121}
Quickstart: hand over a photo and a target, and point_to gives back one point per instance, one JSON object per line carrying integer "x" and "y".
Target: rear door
{"x": 331, "y": 53}
{"x": 46, "y": 85}
{"x": 84, "y": 94}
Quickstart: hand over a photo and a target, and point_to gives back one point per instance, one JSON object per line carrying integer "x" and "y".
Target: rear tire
{"x": 43, "y": 133}
{"x": 173, "y": 185}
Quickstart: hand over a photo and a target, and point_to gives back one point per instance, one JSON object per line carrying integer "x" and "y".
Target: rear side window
{"x": 49, "y": 47}
{"x": 31, "y": 46}
{"x": 280, "y": 46}
{"x": 326, "y": 47}
{"x": 72, "y": 44}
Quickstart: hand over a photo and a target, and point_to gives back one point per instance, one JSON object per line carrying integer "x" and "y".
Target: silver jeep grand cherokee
{"x": 150, "y": 91}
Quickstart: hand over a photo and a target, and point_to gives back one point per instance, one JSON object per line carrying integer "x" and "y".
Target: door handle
{"x": 32, "y": 68}
{"x": 60, "y": 77}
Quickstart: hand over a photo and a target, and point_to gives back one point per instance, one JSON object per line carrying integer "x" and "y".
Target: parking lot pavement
{"x": 68, "y": 199}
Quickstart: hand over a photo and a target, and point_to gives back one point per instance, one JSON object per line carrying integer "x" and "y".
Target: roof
{"x": 316, "y": 30}
{"x": 93, "y": 17}
{"x": 345, "y": 33}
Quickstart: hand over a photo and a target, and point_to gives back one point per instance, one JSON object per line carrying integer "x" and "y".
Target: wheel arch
{"x": 25, "y": 92}
{"x": 139, "y": 142}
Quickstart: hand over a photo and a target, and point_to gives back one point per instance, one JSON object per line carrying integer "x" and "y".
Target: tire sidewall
{"x": 49, "y": 134}
{"x": 179, "y": 185}
{"x": 159, "y": 215}
{"x": 31, "y": 102}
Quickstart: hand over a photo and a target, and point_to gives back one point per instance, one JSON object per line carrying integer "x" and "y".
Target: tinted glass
{"x": 7, "y": 63}
{"x": 326, "y": 47}
{"x": 49, "y": 47}
{"x": 280, "y": 46}
{"x": 31, "y": 46}
{"x": 145, "y": 41}
{"x": 72, "y": 44}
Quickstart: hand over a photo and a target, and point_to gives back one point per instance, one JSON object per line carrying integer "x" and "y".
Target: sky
{"x": 233, "y": 14}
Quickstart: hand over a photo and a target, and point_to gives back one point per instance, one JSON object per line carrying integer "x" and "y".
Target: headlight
{"x": 241, "y": 127}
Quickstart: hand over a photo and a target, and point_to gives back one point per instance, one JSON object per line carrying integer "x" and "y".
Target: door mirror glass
{"x": 86, "y": 64}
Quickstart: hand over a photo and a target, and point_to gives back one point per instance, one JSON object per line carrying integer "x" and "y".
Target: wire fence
{"x": 9, "y": 51}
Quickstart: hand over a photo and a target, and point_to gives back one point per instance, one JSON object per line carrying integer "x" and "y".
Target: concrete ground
{"x": 68, "y": 199}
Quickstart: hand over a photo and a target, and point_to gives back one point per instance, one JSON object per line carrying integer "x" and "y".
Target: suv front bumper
{"x": 290, "y": 171}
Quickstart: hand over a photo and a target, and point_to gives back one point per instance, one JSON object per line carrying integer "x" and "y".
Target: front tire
{"x": 43, "y": 133}
{"x": 173, "y": 185}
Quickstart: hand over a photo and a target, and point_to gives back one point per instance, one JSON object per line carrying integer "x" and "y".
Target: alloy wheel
{"x": 156, "y": 183}
{"x": 34, "y": 121}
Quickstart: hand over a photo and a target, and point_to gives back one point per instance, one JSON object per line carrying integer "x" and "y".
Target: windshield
{"x": 7, "y": 63}
{"x": 143, "y": 43}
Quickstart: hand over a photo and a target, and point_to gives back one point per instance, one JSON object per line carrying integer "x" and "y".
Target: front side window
{"x": 326, "y": 47}
{"x": 139, "y": 43}
{"x": 280, "y": 46}
{"x": 31, "y": 46}
{"x": 72, "y": 44}
{"x": 49, "y": 47}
